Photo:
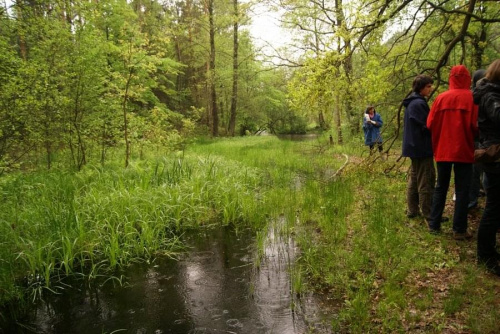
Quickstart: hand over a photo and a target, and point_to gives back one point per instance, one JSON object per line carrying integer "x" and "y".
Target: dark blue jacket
{"x": 417, "y": 142}
{"x": 372, "y": 131}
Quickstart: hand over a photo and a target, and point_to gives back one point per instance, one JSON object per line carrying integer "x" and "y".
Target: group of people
{"x": 460, "y": 121}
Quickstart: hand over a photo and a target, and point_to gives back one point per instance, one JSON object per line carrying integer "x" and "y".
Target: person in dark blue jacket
{"x": 372, "y": 122}
{"x": 417, "y": 145}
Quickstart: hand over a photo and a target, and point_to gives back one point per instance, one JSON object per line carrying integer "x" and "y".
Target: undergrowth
{"x": 378, "y": 270}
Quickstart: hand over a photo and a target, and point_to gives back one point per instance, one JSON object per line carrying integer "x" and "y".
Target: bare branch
{"x": 466, "y": 13}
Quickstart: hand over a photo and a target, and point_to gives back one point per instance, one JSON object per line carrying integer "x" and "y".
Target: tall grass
{"x": 90, "y": 222}
{"x": 383, "y": 271}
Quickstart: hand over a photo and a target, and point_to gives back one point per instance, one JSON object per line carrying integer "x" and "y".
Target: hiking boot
{"x": 490, "y": 265}
{"x": 412, "y": 215}
{"x": 462, "y": 236}
{"x": 495, "y": 270}
{"x": 434, "y": 231}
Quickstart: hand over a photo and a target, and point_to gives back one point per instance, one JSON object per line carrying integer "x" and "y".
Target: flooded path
{"x": 214, "y": 287}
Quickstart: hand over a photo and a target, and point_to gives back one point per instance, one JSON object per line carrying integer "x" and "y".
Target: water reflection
{"x": 213, "y": 288}
{"x": 273, "y": 287}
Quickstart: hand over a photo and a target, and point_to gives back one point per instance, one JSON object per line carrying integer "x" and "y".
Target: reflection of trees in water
{"x": 272, "y": 283}
{"x": 237, "y": 296}
{"x": 214, "y": 288}
{"x": 278, "y": 309}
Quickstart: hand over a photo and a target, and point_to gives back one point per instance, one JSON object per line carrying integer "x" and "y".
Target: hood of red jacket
{"x": 459, "y": 77}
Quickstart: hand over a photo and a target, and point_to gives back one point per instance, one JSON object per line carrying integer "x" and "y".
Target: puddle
{"x": 213, "y": 288}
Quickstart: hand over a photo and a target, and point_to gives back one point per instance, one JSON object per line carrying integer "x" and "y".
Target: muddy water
{"x": 214, "y": 287}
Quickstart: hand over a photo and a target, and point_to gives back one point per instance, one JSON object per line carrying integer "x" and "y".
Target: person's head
{"x": 493, "y": 72}
{"x": 459, "y": 77}
{"x": 478, "y": 75}
{"x": 370, "y": 110}
{"x": 422, "y": 84}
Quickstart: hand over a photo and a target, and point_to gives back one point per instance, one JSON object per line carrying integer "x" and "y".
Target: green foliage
{"x": 384, "y": 272}
{"x": 373, "y": 56}
{"x": 56, "y": 223}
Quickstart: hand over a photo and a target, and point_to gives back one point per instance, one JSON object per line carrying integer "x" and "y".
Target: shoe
{"x": 495, "y": 269}
{"x": 462, "y": 236}
{"x": 434, "y": 231}
{"x": 412, "y": 215}
{"x": 445, "y": 219}
{"x": 490, "y": 265}
{"x": 472, "y": 205}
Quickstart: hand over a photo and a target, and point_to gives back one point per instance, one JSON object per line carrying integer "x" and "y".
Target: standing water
{"x": 215, "y": 287}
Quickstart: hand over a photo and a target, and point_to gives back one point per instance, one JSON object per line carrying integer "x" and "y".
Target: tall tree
{"x": 234, "y": 95}
{"x": 211, "y": 71}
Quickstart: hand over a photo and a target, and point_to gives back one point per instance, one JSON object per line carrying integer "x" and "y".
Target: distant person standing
{"x": 487, "y": 96}
{"x": 453, "y": 125}
{"x": 417, "y": 146}
{"x": 372, "y": 122}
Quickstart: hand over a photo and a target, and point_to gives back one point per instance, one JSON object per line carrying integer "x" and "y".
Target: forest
{"x": 79, "y": 78}
{"x": 133, "y": 121}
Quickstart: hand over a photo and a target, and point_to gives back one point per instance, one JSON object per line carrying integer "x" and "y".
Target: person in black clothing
{"x": 477, "y": 171}
{"x": 487, "y": 96}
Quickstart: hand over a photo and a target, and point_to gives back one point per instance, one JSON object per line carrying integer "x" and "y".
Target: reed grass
{"x": 99, "y": 219}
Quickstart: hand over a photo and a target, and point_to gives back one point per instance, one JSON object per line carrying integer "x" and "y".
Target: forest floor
{"x": 449, "y": 284}
{"x": 386, "y": 273}
{"x": 460, "y": 296}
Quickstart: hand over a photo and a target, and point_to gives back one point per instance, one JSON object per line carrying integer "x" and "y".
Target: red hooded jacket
{"x": 453, "y": 120}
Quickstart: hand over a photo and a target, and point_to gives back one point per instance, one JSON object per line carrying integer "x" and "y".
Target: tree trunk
{"x": 479, "y": 43}
{"x": 125, "y": 119}
{"x": 338, "y": 119}
{"x": 211, "y": 79}
{"x": 234, "y": 96}
{"x": 345, "y": 42}
{"x": 79, "y": 157}
{"x": 23, "y": 49}
{"x": 321, "y": 120}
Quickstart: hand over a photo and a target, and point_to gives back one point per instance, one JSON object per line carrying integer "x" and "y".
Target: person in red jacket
{"x": 452, "y": 122}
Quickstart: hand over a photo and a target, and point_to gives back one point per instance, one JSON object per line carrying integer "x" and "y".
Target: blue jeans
{"x": 488, "y": 226}
{"x": 463, "y": 176}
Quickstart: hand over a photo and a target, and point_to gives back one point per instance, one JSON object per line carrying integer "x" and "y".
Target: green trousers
{"x": 420, "y": 187}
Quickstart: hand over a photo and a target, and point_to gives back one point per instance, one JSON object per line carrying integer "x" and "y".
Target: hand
{"x": 373, "y": 122}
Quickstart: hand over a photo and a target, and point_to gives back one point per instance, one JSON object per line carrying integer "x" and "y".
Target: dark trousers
{"x": 475, "y": 186}
{"x": 488, "y": 226}
{"x": 463, "y": 177}
{"x": 379, "y": 145}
